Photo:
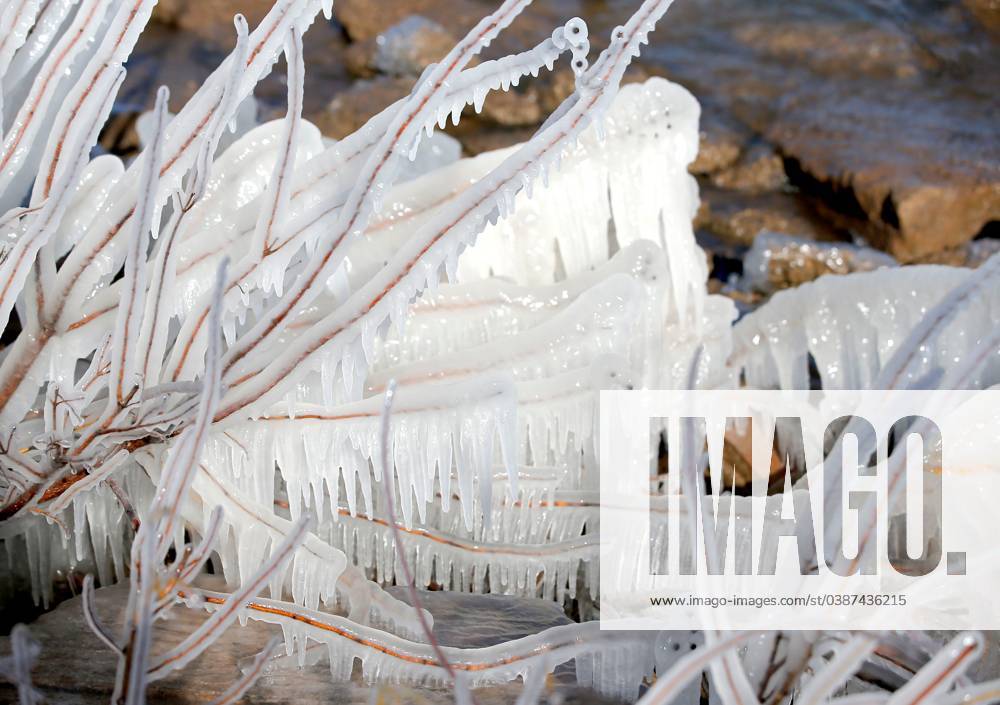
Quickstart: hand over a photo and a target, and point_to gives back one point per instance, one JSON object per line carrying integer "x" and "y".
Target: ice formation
{"x": 328, "y": 255}
{"x": 221, "y": 399}
{"x": 848, "y": 327}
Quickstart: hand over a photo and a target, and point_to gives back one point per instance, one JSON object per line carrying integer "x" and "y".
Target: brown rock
{"x": 119, "y": 136}
{"x": 721, "y": 143}
{"x": 559, "y": 85}
{"x": 353, "y": 107}
{"x": 778, "y": 262}
{"x": 513, "y": 108}
{"x": 164, "y": 56}
{"x": 928, "y": 187}
{"x": 358, "y": 58}
{"x": 987, "y": 12}
{"x": 757, "y": 171}
{"x": 477, "y": 137}
{"x": 210, "y": 19}
{"x": 832, "y": 47}
{"x": 871, "y": 105}
{"x": 971, "y": 254}
{"x": 738, "y": 218}
{"x": 364, "y": 19}
{"x": 737, "y": 453}
{"x": 744, "y": 225}
{"x": 182, "y": 60}
{"x": 534, "y": 99}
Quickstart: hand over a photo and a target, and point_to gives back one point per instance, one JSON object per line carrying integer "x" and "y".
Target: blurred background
{"x": 870, "y": 122}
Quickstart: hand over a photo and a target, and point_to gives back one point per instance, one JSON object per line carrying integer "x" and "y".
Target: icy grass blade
{"x": 184, "y": 456}
{"x": 384, "y": 656}
{"x": 15, "y": 23}
{"x": 28, "y": 122}
{"x": 942, "y": 671}
{"x": 987, "y": 693}
{"x": 36, "y": 47}
{"x": 277, "y": 196}
{"x": 122, "y": 33}
{"x": 81, "y": 136}
{"x": 202, "y": 167}
{"x": 244, "y": 517}
{"x": 847, "y": 659}
{"x": 22, "y": 465}
{"x": 320, "y": 571}
{"x": 89, "y": 262}
{"x": 156, "y": 316}
{"x": 99, "y": 473}
{"x": 852, "y": 325}
{"x": 90, "y": 616}
{"x": 405, "y": 569}
{"x": 375, "y": 178}
{"x": 339, "y": 165}
{"x": 461, "y": 316}
{"x": 272, "y": 213}
{"x": 898, "y": 370}
{"x": 196, "y": 559}
{"x": 126, "y": 376}
{"x": 600, "y": 321}
{"x": 903, "y": 370}
{"x": 547, "y": 570}
{"x": 335, "y": 171}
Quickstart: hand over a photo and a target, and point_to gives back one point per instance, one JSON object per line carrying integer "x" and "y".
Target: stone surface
{"x": 887, "y": 116}
{"x": 986, "y": 11}
{"x": 404, "y": 49}
{"x": 971, "y": 254}
{"x": 721, "y": 143}
{"x": 937, "y": 189}
{"x": 354, "y": 106}
{"x": 837, "y": 47}
{"x": 364, "y": 19}
{"x": 210, "y": 19}
{"x": 181, "y": 60}
{"x": 477, "y": 138}
{"x": 738, "y": 218}
{"x": 74, "y": 667}
{"x": 779, "y": 262}
{"x": 756, "y": 171}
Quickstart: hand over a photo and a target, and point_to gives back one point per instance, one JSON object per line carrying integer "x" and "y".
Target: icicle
{"x": 862, "y": 318}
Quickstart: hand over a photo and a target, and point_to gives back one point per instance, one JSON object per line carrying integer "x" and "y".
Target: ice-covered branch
{"x": 448, "y": 232}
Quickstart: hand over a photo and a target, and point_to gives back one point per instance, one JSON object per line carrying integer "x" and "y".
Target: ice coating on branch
{"x": 386, "y": 659}
{"x": 634, "y": 179}
{"x": 438, "y": 431}
{"x": 851, "y": 326}
{"x": 600, "y": 321}
{"x": 548, "y": 570}
{"x": 338, "y": 254}
{"x": 459, "y": 316}
{"x": 33, "y": 113}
